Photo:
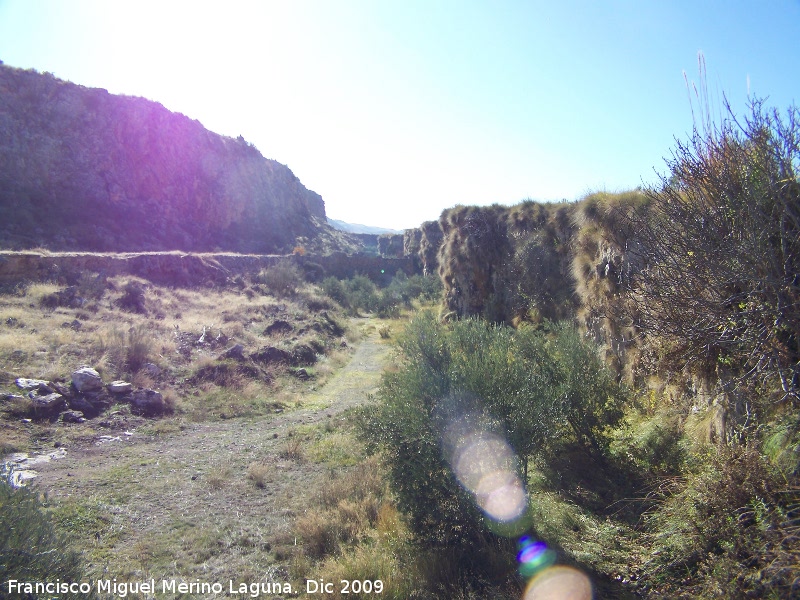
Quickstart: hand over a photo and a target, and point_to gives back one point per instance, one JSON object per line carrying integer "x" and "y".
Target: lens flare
{"x": 559, "y": 583}
{"x": 501, "y": 496}
{"x": 533, "y": 556}
{"x": 486, "y": 466}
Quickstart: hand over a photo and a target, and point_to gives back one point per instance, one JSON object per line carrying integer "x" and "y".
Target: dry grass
{"x": 353, "y": 531}
{"x": 259, "y": 474}
{"x": 292, "y": 449}
{"x": 182, "y": 499}
{"x": 219, "y": 477}
{"x": 48, "y": 330}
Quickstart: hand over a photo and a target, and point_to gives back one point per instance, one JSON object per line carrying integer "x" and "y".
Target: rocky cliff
{"x": 82, "y": 169}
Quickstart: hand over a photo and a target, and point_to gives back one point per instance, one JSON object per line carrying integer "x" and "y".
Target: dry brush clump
{"x": 347, "y": 506}
{"x": 721, "y": 243}
{"x": 727, "y": 529}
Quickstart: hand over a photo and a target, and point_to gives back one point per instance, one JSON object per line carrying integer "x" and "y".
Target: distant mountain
{"x": 357, "y": 228}
{"x": 82, "y": 169}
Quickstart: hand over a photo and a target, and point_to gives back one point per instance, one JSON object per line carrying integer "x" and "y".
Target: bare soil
{"x": 181, "y": 505}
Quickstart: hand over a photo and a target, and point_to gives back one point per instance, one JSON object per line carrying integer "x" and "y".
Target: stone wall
{"x": 182, "y": 269}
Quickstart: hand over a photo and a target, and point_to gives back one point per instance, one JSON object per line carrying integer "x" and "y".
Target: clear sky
{"x": 395, "y": 110}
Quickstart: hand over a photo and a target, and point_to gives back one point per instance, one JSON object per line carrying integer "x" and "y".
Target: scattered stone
{"x": 152, "y": 370}
{"x": 301, "y": 374}
{"x": 10, "y": 397}
{"x": 72, "y": 416}
{"x": 45, "y": 389}
{"x": 91, "y": 405}
{"x": 22, "y": 464}
{"x": 119, "y": 387}
{"x": 87, "y": 379}
{"x": 30, "y": 384}
{"x": 49, "y": 405}
{"x": 147, "y": 402}
{"x": 104, "y": 439}
{"x": 234, "y": 352}
{"x": 303, "y": 355}
{"x": 60, "y": 388}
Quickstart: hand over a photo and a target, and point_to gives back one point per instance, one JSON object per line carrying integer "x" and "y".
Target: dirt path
{"x": 182, "y": 505}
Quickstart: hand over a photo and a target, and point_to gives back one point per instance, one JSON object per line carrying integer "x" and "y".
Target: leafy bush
{"x": 282, "y": 279}
{"x": 541, "y": 388}
{"x": 335, "y": 289}
{"x": 361, "y": 294}
{"x": 30, "y": 547}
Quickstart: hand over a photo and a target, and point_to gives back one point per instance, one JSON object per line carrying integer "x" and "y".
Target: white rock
{"x": 29, "y": 384}
{"x": 119, "y": 387}
{"x": 87, "y": 379}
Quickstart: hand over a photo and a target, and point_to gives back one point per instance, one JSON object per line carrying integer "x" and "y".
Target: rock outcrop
{"x": 82, "y": 169}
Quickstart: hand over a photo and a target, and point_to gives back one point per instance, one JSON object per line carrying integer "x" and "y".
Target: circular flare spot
{"x": 486, "y": 466}
{"x": 559, "y": 583}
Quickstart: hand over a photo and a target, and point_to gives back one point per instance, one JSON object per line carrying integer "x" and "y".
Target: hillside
{"x": 82, "y": 169}
{"x": 359, "y": 228}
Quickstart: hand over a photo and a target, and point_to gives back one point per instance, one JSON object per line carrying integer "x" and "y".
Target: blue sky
{"x": 395, "y": 110}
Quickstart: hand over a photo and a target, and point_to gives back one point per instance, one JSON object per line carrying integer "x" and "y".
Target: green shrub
{"x": 540, "y": 389}
{"x": 30, "y": 548}
{"x": 361, "y": 293}
{"x": 314, "y": 272}
{"x": 282, "y": 279}
{"x": 335, "y": 289}
{"x": 723, "y": 530}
